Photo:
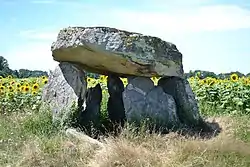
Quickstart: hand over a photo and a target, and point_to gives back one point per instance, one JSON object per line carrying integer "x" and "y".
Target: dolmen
{"x": 118, "y": 53}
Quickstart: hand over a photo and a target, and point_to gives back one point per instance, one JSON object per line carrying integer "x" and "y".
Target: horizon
{"x": 212, "y": 36}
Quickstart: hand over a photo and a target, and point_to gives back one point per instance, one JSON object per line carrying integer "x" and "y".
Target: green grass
{"x": 30, "y": 139}
{"x": 242, "y": 128}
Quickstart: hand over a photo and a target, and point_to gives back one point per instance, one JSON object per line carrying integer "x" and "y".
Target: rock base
{"x": 66, "y": 86}
{"x": 144, "y": 101}
{"x": 169, "y": 104}
{"x": 187, "y": 106}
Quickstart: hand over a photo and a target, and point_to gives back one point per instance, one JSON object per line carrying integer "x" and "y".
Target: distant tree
{"x": 22, "y": 73}
{"x": 4, "y": 67}
{"x": 25, "y": 73}
{"x": 3, "y": 63}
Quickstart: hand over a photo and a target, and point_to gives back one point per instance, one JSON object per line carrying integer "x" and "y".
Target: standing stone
{"x": 142, "y": 100}
{"x": 66, "y": 86}
{"x": 162, "y": 108}
{"x": 89, "y": 118}
{"x": 187, "y": 107}
{"x": 115, "y": 104}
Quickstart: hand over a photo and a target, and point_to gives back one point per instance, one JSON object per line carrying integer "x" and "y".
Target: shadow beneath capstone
{"x": 91, "y": 120}
{"x": 205, "y": 130}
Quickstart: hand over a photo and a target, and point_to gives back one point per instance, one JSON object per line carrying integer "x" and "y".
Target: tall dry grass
{"x": 231, "y": 147}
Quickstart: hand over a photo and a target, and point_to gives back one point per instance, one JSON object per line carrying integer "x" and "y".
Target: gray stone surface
{"x": 108, "y": 50}
{"x": 89, "y": 118}
{"x": 66, "y": 86}
{"x": 115, "y": 105}
{"x": 142, "y": 100}
{"x": 187, "y": 105}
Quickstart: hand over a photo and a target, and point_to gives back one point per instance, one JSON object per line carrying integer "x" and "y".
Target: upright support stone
{"x": 144, "y": 101}
{"x": 66, "y": 86}
{"x": 187, "y": 107}
{"x": 115, "y": 104}
{"x": 89, "y": 118}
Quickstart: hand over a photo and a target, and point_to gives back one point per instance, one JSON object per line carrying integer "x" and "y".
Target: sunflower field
{"x": 230, "y": 95}
{"x": 20, "y": 94}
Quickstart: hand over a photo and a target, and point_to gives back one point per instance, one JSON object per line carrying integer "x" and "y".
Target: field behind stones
{"x": 28, "y": 138}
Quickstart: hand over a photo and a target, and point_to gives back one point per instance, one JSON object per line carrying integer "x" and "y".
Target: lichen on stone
{"x": 146, "y": 52}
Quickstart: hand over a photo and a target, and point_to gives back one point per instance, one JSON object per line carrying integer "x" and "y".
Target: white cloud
{"x": 39, "y": 35}
{"x": 208, "y": 18}
{"x": 173, "y": 22}
{"x": 163, "y": 24}
{"x": 33, "y": 56}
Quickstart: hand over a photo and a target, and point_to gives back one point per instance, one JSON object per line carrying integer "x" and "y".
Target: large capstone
{"x": 144, "y": 101}
{"x": 187, "y": 106}
{"x": 107, "y": 50}
{"x": 66, "y": 86}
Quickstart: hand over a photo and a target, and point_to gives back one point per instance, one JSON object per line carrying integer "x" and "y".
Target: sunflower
{"x": 12, "y": 82}
{"x": 124, "y": 81}
{"x": 26, "y": 89}
{"x": 1, "y": 77}
{"x": 18, "y": 85}
{"x": 212, "y": 82}
{"x": 89, "y": 79}
{"x": 246, "y": 81}
{"x": 45, "y": 81}
{"x": 22, "y": 88}
{"x": 191, "y": 78}
{"x": 9, "y": 77}
{"x": 34, "y": 93}
{"x": 2, "y": 88}
{"x": 102, "y": 78}
{"x": 205, "y": 81}
{"x": 234, "y": 77}
{"x": 35, "y": 87}
{"x": 18, "y": 90}
{"x": 201, "y": 82}
{"x": 44, "y": 77}
{"x": 94, "y": 82}
{"x": 11, "y": 88}
{"x": 155, "y": 80}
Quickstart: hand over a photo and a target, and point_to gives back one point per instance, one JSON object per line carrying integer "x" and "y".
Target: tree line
{"x": 25, "y": 73}
{"x": 21, "y": 73}
{"x": 205, "y": 74}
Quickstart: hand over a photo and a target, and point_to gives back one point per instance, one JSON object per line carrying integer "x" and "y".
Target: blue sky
{"x": 212, "y": 35}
